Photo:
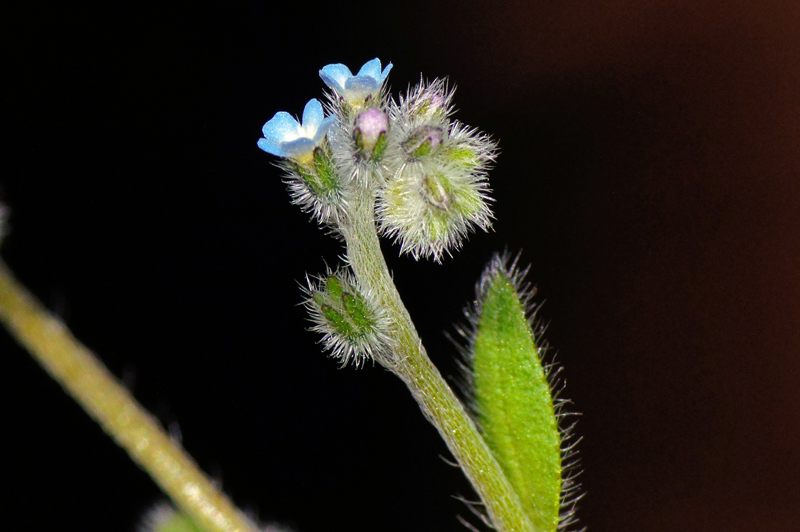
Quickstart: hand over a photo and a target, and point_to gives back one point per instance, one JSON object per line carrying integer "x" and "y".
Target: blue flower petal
{"x": 281, "y": 127}
{"x": 312, "y": 116}
{"x": 270, "y": 146}
{"x": 298, "y": 148}
{"x": 361, "y": 86}
{"x": 335, "y": 76}
{"x": 323, "y": 129}
{"x": 371, "y": 69}
{"x": 385, "y": 73}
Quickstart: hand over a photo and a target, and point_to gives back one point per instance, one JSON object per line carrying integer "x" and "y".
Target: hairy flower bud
{"x": 430, "y": 212}
{"x": 351, "y": 325}
{"x": 423, "y": 141}
{"x": 370, "y": 133}
{"x": 437, "y": 190}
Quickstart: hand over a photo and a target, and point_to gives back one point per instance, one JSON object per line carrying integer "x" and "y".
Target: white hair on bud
{"x": 366, "y": 343}
{"x": 437, "y": 191}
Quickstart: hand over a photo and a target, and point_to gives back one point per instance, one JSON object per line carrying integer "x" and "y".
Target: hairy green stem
{"x": 85, "y": 378}
{"x": 410, "y": 362}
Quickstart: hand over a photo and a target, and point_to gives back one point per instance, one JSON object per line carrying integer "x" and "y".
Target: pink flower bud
{"x": 371, "y": 124}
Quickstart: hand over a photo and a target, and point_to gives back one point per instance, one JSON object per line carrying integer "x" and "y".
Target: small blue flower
{"x": 354, "y": 89}
{"x": 285, "y": 137}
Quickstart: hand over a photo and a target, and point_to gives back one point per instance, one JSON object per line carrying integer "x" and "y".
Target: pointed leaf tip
{"x": 512, "y": 395}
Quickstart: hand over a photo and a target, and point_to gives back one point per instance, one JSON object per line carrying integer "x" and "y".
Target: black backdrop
{"x": 649, "y": 172}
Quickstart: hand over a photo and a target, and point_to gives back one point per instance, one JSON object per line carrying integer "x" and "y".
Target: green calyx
{"x": 327, "y": 180}
{"x": 423, "y": 141}
{"x": 361, "y": 150}
{"x": 319, "y": 174}
{"x": 356, "y": 309}
{"x": 351, "y": 108}
{"x": 334, "y": 287}
{"x": 423, "y": 109}
{"x": 367, "y": 150}
{"x": 380, "y": 147}
{"x": 462, "y": 155}
{"x": 338, "y": 321}
{"x": 431, "y": 106}
{"x": 344, "y": 309}
{"x": 438, "y": 191}
{"x": 513, "y": 399}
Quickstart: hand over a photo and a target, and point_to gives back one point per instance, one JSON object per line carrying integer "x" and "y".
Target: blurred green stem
{"x": 85, "y": 378}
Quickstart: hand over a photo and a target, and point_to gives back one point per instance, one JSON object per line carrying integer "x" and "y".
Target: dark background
{"x": 650, "y": 172}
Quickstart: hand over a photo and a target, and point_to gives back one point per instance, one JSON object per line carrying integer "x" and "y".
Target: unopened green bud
{"x": 350, "y": 324}
{"x": 432, "y": 103}
{"x": 430, "y": 210}
{"x": 423, "y": 141}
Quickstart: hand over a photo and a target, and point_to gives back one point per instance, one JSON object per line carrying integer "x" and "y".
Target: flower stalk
{"x": 406, "y": 170}
{"x": 88, "y": 381}
{"x": 410, "y": 362}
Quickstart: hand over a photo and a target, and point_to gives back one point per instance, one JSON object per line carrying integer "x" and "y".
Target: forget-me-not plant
{"x": 406, "y": 169}
{"x": 375, "y": 166}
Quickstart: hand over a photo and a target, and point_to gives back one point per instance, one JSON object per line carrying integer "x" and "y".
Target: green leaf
{"x": 512, "y": 395}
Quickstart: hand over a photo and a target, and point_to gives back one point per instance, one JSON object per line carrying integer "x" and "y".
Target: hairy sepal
{"x": 352, "y": 324}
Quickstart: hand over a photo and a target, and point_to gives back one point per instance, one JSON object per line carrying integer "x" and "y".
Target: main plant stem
{"x": 85, "y": 378}
{"x": 410, "y": 362}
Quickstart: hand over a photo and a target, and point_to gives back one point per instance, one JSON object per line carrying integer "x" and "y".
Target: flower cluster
{"x": 426, "y": 171}
{"x": 404, "y": 167}
{"x": 438, "y": 189}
